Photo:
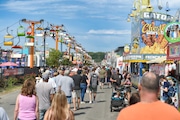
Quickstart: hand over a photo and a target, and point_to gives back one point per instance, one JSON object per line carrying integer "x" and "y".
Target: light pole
{"x": 61, "y": 39}
{"x": 61, "y": 44}
{"x": 44, "y": 49}
{"x": 56, "y": 29}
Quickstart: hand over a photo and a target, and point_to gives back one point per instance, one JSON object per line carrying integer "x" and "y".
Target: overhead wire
{"x": 9, "y": 26}
{"x": 67, "y": 31}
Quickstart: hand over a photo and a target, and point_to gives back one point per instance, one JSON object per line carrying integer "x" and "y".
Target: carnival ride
{"x": 28, "y": 37}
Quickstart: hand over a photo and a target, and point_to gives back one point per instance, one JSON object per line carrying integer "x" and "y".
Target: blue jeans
{"x": 41, "y": 114}
{"x": 165, "y": 98}
{"x": 68, "y": 99}
{"x": 83, "y": 87}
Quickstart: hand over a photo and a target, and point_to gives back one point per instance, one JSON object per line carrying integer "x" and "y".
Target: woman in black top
{"x": 109, "y": 74}
{"x": 83, "y": 85}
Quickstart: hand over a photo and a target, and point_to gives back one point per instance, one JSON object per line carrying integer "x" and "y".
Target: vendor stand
{"x": 173, "y": 53}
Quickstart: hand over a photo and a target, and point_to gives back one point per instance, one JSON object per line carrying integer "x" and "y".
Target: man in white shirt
{"x": 3, "y": 114}
{"x": 53, "y": 80}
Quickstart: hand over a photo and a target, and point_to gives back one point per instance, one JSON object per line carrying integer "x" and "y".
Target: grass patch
{"x": 10, "y": 89}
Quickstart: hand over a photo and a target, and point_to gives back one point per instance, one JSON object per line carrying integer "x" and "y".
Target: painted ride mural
{"x": 151, "y": 39}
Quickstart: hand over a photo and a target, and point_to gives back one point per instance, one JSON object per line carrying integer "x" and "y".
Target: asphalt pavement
{"x": 99, "y": 110}
{"x": 95, "y": 111}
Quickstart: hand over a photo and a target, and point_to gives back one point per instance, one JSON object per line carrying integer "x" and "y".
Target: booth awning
{"x": 158, "y": 60}
{"x": 135, "y": 61}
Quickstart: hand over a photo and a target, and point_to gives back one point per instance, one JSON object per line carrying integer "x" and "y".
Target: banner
{"x": 149, "y": 37}
{"x": 11, "y": 72}
{"x": 152, "y": 40}
{"x": 173, "y": 52}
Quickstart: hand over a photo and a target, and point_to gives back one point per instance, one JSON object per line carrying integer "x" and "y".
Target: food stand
{"x": 173, "y": 53}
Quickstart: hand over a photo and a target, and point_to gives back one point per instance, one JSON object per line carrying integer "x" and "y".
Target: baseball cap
{"x": 47, "y": 71}
{"x": 45, "y": 76}
{"x": 66, "y": 72}
{"x": 74, "y": 70}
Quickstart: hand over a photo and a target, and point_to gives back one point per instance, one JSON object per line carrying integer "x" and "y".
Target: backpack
{"x": 94, "y": 80}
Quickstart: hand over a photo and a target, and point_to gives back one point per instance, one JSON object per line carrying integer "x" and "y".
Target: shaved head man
{"x": 149, "y": 107}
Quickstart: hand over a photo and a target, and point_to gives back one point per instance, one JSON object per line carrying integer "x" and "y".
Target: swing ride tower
{"x": 31, "y": 52}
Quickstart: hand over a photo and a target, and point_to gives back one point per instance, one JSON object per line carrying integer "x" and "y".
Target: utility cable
{"x": 9, "y": 26}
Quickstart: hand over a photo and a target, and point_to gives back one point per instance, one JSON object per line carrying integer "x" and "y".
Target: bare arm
{"x": 16, "y": 110}
{"x": 37, "y": 108}
{"x": 165, "y": 89}
{"x": 88, "y": 80}
{"x": 112, "y": 80}
{"x": 46, "y": 116}
{"x": 51, "y": 97}
{"x": 71, "y": 115}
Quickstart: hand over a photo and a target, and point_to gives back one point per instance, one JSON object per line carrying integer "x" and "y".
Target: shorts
{"x": 108, "y": 79}
{"x": 165, "y": 97}
{"x": 128, "y": 89}
{"x": 102, "y": 80}
{"x": 68, "y": 99}
{"x": 93, "y": 89}
{"x": 76, "y": 93}
{"x": 42, "y": 113}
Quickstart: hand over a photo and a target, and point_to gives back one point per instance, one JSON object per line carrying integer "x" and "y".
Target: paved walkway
{"x": 99, "y": 110}
{"x": 95, "y": 111}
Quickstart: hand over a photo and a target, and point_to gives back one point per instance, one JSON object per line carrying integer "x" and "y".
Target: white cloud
{"x": 96, "y": 42}
{"x": 89, "y": 8}
{"x": 100, "y": 2}
{"x": 41, "y": 7}
{"x": 109, "y": 32}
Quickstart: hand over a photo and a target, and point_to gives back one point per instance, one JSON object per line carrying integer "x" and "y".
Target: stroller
{"x": 118, "y": 98}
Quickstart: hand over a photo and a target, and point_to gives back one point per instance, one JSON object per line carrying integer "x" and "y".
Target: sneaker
{"x": 82, "y": 102}
{"x": 94, "y": 101}
{"x": 90, "y": 102}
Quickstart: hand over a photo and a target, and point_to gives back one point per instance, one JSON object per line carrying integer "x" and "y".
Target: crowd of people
{"x": 53, "y": 91}
{"x": 56, "y": 93}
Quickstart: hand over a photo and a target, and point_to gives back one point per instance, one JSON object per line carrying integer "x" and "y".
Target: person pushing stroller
{"x": 116, "y": 80}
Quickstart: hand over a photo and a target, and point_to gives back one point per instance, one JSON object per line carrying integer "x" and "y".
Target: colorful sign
{"x": 174, "y": 51}
{"x": 133, "y": 58}
{"x": 152, "y": 40}
{"x": 141, "y": 57}
{"x": 156, "y": 16}
{"x": 152, "y": 56}
{"x": 149, "y": 38}
{"x": 172, "y": 32}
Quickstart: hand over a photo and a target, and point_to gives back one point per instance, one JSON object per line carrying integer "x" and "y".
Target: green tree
{"x": 54, "y": 57}
{"x": 66, "y": 61}
{"x": 97, "y": 56}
